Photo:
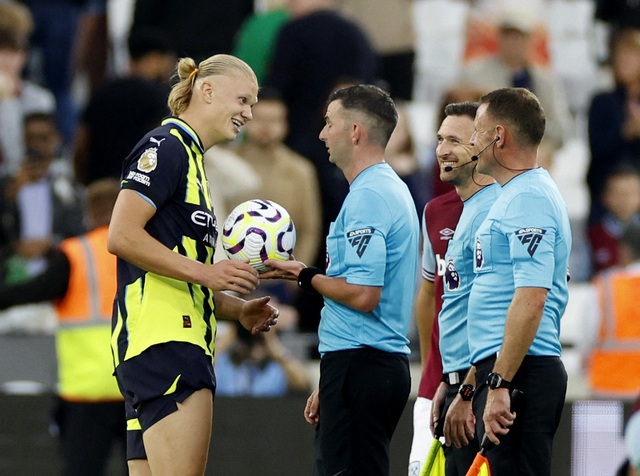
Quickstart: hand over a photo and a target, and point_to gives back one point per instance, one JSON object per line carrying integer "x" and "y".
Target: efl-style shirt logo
{"x": 451, "y": 276}
{"x": 531, "y": 237}
{"x": 360, "y": 239}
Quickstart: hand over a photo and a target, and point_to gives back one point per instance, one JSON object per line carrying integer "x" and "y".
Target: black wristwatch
{"x": 495, "y": 380}
{"x": 466, "y": 392}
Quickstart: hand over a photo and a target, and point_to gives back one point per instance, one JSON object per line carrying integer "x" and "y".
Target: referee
{"x": 520, "y": 289}
{"x": 372, "y": 263}
{"x": 451, "y": 411}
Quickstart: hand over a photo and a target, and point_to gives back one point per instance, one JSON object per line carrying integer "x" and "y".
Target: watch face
{"x": 466, "y": 392}
{"x": 494, "y": 380}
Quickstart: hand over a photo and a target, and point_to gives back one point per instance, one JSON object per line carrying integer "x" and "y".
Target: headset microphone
{"x": 449, "y": 168}
{"x": 474, "y": 158}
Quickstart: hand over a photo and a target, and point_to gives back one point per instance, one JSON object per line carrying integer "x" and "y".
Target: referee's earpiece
{"x": 497, "y": 138}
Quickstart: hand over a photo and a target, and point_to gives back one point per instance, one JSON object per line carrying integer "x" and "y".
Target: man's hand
{"x": 312, "y": 408}
{"x": 497, "y": 416}
{"x": 436, "y": 407}
{"x": 257, "y": 315}
{"x": 227, "y": 275}
{"x": 459, "y": 424}
{"x": 283, "y": 269}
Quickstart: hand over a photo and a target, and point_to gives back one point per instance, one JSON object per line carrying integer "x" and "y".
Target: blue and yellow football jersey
{"x": 166, "y": 168}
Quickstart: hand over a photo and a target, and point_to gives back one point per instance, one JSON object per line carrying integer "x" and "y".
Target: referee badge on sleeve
{"x": 359, "y": 239}
{"x": 530, "y": 238}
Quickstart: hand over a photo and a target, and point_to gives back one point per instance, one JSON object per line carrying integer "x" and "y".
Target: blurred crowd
{"x": 82, "y": 80}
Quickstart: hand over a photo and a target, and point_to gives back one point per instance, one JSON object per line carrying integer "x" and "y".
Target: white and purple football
{"x": 257, "y": 230}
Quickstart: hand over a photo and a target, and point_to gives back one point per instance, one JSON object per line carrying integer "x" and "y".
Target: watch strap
{"x": 495, "y": 380}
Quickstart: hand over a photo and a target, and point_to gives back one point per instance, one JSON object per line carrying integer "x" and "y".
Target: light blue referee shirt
{"x": 524, "y": 242}
{"x": 373, "y": 242}
{"x": 458, "y": 278}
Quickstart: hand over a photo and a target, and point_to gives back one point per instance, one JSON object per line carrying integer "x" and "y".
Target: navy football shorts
{"x": 154, "y": 382}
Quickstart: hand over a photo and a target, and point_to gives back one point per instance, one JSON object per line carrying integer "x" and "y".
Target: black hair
{"x": 269, "y": 93}
{"x": 41, "y": 116}
{"x": 143, "y": 41}
{"x": 625, "y": 167}
{"x": 375, "y": 103}
{"x": 467, "y": 108}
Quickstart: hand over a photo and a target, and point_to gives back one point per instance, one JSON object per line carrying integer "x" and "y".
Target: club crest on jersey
{"x": 531, "y": 237}
{"x": 479, "y": 256}
{"x": 451, "y": 276}
{"x": 186, "y": 322}
{"x": 360, "y": 239}
{"x": 148, "y": 160}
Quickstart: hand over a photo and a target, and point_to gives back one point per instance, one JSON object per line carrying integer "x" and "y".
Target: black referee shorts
{"x": 526, "y": 449}
{"x": 362, "y": 395}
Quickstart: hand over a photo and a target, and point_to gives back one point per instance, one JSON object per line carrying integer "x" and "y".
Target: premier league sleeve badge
{"x": 148, "y": 161}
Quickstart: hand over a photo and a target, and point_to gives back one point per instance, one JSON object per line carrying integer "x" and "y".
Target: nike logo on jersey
{"x": 530, "y": 237}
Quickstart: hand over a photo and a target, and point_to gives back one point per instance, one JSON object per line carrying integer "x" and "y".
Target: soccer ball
{"x": 257, "y": 230}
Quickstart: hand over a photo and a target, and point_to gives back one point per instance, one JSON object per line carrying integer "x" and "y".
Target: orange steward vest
{"x": 85, "y": 363}
{"x": 614, "y": 368}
